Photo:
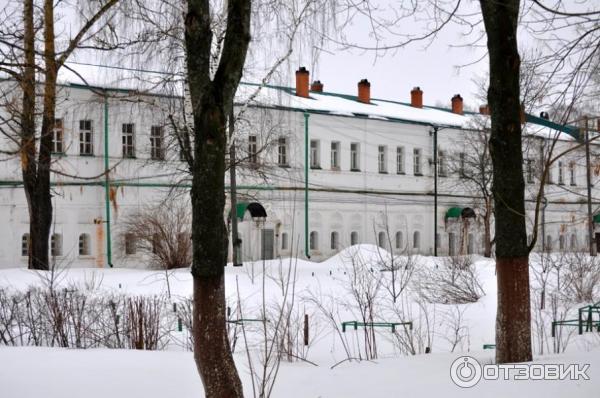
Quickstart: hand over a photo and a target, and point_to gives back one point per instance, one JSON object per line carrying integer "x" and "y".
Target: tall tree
{"x": 35, "y": 150}
{"x": 513, "y": 318}
{"x": 211, "y": 100}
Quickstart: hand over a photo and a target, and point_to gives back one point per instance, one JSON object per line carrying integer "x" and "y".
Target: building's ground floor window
{"x": 314, "y": 240}
{"x": 353, "y": 238}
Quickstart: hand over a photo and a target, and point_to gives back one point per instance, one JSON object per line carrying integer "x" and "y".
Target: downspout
{"x": 306, "y": 236}
{"x": 435, "y": 192}
{"x": 107, "y": 185}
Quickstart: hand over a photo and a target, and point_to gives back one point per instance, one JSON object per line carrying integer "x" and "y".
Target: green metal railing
{"x": 392, "y": 325}
{"x": 585, "y": 319}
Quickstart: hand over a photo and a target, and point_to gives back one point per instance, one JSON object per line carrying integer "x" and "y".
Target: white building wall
{"x": 341, "y": 200}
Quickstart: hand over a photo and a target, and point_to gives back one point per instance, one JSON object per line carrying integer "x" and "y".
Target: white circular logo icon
{"x": 465, "y": 371}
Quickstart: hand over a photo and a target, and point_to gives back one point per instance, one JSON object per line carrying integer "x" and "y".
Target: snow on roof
{"x": 339, "y": 104}
{"x": 155, "y": 82}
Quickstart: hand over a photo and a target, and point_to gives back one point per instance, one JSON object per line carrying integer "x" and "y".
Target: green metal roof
{"x": 570, "y": 130}
{"x": 240, "y": 209}
{"x": 453, "y": 212}
{"x": 597, "y": 218}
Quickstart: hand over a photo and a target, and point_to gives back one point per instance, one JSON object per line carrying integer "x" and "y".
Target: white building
{"x": 327, "y": 170}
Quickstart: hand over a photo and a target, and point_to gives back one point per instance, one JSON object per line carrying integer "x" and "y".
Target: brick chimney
{"x": 364, "y": 91}
{"x": 457, "y": 104}
{"x": 484, "y": 109}
{"x": 316, "y": 86}
{"x": 302, "y": 82}
{"x": 416, "y": 97}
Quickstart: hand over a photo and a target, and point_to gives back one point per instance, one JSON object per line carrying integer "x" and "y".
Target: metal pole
{"x": 435, "y": 192}
{"x": 235, "y": 240}
{"x": 589, "y": 191}
{"x": 107, "y": 185}
{"x": 544, "y": 200}
{"x": 306, "y": 236}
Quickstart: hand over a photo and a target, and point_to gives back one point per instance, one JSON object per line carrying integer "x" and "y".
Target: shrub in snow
{"x": 454, "y": 281}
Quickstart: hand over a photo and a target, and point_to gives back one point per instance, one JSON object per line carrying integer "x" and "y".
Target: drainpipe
{"x": 435, "y": 192}
{"x": 306, "y": 237}
{"x": 107, "y": 185}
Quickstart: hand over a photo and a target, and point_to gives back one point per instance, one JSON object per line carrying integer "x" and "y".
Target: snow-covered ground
{"x": 329, "y": 292}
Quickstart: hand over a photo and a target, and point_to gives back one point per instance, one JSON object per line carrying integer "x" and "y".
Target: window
{"x": 315, "y": 158}
{"x": 252, "y": 149}
{"x": 416, "y": 240}
{"x": 399, "y": 240}
{"x": 86, "y": 136}
{"x": 382, "y": 158}
{"x": 400, "y": 160}
{"x": 548, "y": 243}
{"x": 561, "y": 243}
{"x": 314, "y": 240}
{"x": 572, "y": 173}
{"x": 353, "y": 238}
{"x": 529, "y": 171}
{"x": 156, "y": 143}
{"x": 25, "y": 242}
{"x": 130, "y": 244}
{"x": 550, "y": 177}
{"x": 57, "y": 136}
{"x": 354, "y": 156}
{"x": 451, "y": 244}
{"x": 461, "y": 165}
{"x": 470, "y": 244}
{"x": 441, "y": 160}
{"x": 381, "y": 240}
{"x": 282, "y": 152}
{"x": 335, "y": 155}
{"x": 417, "y": 162}
{"x": 56, "y": 245}
{"x": 284, "y": 241}
{"x": 561, "y": 174}
{"x": 128, "y": 135}
{"x": 84, "y": 245}
{"x": 335, "y": 241}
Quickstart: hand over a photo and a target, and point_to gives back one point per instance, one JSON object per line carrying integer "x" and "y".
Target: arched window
{"x": 561, "y": 243}
{"x": 573, "y": 242}
{"x": 314, "y": 240}
{"x": 56, "y": 245}
{"x": 130, "y": 244}
{"x": 399, "y": 240}
{"x": 284, "y": 241}
{"x": 416, "y": 240}
{"x": 25, "y": 245}
{"x": 84, "y": 245}
{"x": 335, "y": 241}
{"x": 381, "y": 240}
{"x": 354, "y": 238}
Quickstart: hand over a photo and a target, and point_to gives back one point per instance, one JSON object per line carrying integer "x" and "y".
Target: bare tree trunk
{"x": 513, "y": 318}
{"x": 217, "y": 371}
{"x": 211, "y": 101}
{"x": 487, "y": 229}
{"x": 39, "y": 219}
